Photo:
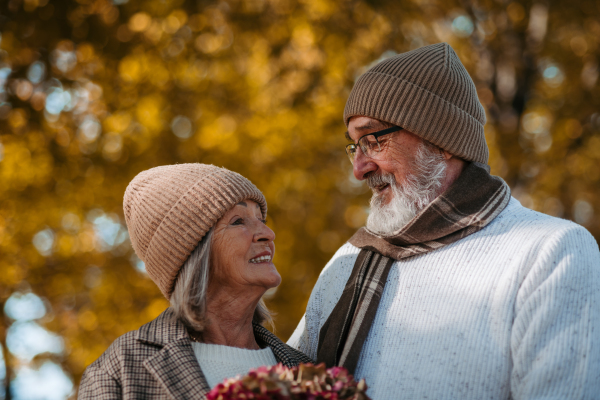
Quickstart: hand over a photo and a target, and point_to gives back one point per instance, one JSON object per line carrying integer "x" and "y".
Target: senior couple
{"x": 453, "y": 290}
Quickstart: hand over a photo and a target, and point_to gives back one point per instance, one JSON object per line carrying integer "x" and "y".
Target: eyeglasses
{"x": 369, "y": 143}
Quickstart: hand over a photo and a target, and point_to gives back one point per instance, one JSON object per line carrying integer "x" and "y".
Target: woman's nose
{"x": 263, "y": 233}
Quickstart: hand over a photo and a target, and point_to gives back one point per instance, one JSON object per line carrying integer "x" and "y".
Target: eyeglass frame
{"x": 352, "y": 153}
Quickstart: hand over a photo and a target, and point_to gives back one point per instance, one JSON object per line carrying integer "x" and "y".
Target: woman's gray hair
{"x": 188, "y": 299}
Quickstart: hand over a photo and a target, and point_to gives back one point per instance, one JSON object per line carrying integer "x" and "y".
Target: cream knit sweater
{"x": 220, "y": 362}
{"x": 509, "y": 312}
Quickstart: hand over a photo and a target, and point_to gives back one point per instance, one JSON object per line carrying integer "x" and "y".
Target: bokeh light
{"x": 44, "y": 241}
{"x": 553, "y": 75}
{"x": 28, "y": 339}
{"x": 24, "y": 307}
{"x": 181, "y": 127}
{"x": 36, "y": 72}
{"x": 583, "y": 212}
{"x": 462, "y": 26}
{"x": 48, "y": 382}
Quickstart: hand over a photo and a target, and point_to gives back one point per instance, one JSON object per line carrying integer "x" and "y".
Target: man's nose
{"x": 362, "y": 165}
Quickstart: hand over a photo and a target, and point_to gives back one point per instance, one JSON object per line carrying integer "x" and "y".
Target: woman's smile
{"x": 264, "y": 257}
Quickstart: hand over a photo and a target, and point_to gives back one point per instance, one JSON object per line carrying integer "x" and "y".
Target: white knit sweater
{"x": 512, "y": 311}
{"x": 219, "y": 362}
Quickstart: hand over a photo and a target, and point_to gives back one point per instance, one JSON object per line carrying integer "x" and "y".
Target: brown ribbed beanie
{"x": 169, "y": 209}
{"x": 428, "y": 92}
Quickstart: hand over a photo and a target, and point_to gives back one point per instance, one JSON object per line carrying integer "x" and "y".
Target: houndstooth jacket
{"x": 157, "y": 362}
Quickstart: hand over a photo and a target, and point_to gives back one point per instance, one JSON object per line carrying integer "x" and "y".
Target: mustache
{"x": 375, "y": 181}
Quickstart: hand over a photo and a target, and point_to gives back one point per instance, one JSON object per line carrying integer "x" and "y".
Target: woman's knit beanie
{"x": 428, "y": 92}
{"x": 169, "y": 209}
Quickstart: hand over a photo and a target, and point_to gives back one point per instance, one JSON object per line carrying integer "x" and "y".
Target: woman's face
{"x": 242, "y": 250}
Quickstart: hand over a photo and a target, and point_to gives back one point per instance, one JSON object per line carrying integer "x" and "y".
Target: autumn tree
{"x": 94, "y": 91}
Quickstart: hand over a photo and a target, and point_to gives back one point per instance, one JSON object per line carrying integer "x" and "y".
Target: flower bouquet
{"x": 305, "y": 382}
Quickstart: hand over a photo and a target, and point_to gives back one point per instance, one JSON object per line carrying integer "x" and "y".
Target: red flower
{"x": 305, "y": 382}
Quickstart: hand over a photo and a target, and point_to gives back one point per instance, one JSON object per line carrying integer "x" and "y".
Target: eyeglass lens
{"x": 351, "y": 151}
{"x": 369, "y": 144}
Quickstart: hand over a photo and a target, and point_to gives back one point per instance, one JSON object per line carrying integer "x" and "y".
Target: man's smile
{"x": 381, "y": 188}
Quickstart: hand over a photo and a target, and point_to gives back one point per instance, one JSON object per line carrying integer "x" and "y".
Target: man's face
{"x": 398, "y": 151}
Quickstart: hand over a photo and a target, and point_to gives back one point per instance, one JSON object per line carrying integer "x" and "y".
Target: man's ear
{"x": 446, "y": 155}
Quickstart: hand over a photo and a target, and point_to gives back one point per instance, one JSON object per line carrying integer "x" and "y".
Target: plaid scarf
{"x": 471, "y": 203}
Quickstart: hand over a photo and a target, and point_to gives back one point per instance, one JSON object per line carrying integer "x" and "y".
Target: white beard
{"x": 410, "y": 197}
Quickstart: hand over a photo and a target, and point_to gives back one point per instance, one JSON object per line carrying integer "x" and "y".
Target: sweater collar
{"x": 166, "y": 328}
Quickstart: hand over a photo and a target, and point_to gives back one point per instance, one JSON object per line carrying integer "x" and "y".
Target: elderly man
{"x": 453, "y": 290}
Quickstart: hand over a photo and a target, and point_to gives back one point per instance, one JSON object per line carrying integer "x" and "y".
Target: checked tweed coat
{"x": 157, "y": 362}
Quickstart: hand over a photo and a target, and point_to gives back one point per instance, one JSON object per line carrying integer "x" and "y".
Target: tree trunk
{"x": 5, "y": 355}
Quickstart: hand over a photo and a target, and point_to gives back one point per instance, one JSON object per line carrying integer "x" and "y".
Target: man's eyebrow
{"x": 242, "y": 203}
{"x": 365, "y": 127}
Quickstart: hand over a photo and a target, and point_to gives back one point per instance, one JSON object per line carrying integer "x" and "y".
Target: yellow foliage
{"x": 87, "y": 320}
{"x": 219, "y": 132}
{"x": 17, "y": 118}
{"x": 148, "y": 112}
{"x": 12, "y": 275}
{"x": 140, "y": 22}
{"x": 117, "y": 122}
{"x": 16, "y": 169}
{"x": 156, "y": 307}
{"x": 260, "y": 87}
{"x": 355, "y": 216}
{"x": 131, "y": 69}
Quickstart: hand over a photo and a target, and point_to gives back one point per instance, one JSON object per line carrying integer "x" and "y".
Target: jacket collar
{"x": 175, "y": 366}
{"x": 283, "y": 353}
{"x": 176, "y": 369}
{"x": 164, "y": 329}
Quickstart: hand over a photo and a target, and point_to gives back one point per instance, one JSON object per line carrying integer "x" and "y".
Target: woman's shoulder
{"x": 112, "y": 359}
{"x": 123, "y": 344}
{"x": 128, "y": 363}
{"x": 141, "y": 343}
{"x": 102, "y": 378}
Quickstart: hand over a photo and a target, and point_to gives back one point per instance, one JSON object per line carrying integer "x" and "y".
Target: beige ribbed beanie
{"x": 428, "y": 92}
{"x": 169, "y": 209}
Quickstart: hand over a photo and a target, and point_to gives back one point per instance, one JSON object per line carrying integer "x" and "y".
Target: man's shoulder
{"x": 515, "y": 217}
{"x": 527, "y": 234}
{"x": 343, "y": 259}
{"x": 516, "y": 224}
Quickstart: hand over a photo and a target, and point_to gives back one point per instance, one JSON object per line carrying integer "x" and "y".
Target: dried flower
{"x": 304, "y": 382}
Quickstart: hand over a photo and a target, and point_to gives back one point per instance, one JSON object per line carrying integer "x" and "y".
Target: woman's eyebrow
{"x": 242, "y": 203}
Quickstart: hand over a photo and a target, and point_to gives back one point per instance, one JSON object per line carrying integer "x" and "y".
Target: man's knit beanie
{"x": 169, "y": 209}
{"x": 428, "y": 92}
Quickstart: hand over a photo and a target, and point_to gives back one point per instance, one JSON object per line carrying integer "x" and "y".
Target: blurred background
{"x": 94, "y": 91}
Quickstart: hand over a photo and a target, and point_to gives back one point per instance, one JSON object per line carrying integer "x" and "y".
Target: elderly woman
{"x": 201, "y": 232}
